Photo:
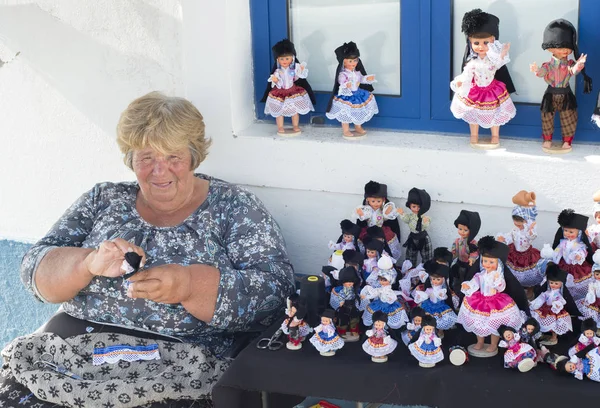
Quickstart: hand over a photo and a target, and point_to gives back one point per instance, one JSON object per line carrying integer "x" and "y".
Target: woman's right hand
{"x": 106, "y": 260}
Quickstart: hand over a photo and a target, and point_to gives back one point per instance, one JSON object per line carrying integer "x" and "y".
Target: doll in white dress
{"x": 294, "y": 325}
{"x": 518, "y": 354}
{"x": 589, "y": 306}
{"x": 587, "y": 337}
{"x": 384, "y": 299}
{"x": 593, "y": 231}
{"x": 326, "y": 340}
{"x": 379, "y": 343}
{"x": 426, "y": 347}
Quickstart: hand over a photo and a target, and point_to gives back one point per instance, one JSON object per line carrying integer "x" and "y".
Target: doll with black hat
{"x": 573, "y": 252}
{"x": 344, "y": 300}
{"x": 587, "y": 337}
{"x": 349, "y": 237}
{"x": 518, "y": 354}
{"x": 373, "y": 252}
{"x": 560, "y": 39}
{"x": 489, "y": 298}
{"x": 383, "y": 298}
{"x": 412, "y": 328}
{"x": 464, "y": 248}
{"x": 375, "y": 232}
{"x": 593, "y": 231}
{"x": 419, "y": 202}
{"x": 379, "y": 344}
{"x": 554, "y": 306}
{"x": 589, "y": 306}
{"x": 426, "y": 346}
{"x": 294, "y": 325}
{"x": 352, "y": 100}
{"x": 326, "y": 340}
{"x": 585, "y": 363}
{"x": 288, "y": 93}
{"x": 355, "y": 259}
{"x": 331, "y": 271}
{"x": 530, "y": 333}
{"x": 482, "y": 91}
{"x": 130, "y": 266}
{"x": 377, "y": 210}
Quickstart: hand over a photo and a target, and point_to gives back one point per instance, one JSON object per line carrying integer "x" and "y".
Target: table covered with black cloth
{"x": 351, "y": 375}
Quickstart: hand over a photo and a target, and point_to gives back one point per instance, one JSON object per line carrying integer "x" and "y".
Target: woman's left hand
{"x": 162, "y": 284}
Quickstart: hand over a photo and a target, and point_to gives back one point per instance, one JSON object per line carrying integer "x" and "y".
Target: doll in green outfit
{"x": 418, "y": 241}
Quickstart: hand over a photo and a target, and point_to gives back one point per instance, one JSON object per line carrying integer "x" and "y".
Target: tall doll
{"x": 376, "y": 209}
{"x": 593, "y": 231}
{"x": 294, "y": 325}
{"x": 288, "y": 93}
{"x": 379, "y": 344}
{"x": 464, "y": 248}
{"x": 344, "y": 300}
{"x": 560, "y": 39}
{"x": 490, "y": 298}
{"x": 418, "y": 241}
{"x": 326, "y": 340}
{"x": 589, "y": 306}
{"x": 384, "y": 299}
{"x": 482, "y": 90}
{"x": 518, "y": 354}
{"x": 351, "y": 100}
{"x": 426, "y": 347}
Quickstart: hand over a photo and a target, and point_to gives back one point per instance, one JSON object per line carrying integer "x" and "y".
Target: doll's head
{"x": 428, "y": 324}
{"x": 347, "y": 238}
{"x": 371, "y": 253}
{"x": 493, "y": 253}
{"x": 442, "y": 256}
{"x": 348, "y": 277}
{"x": 519, "y": 221}
{"x": 418, "y": 201}
{"x": 373, "y": 247}
{"x": 479, "y": 43}
{"x": 387, "y": 276}
{"x": 468, "y": 224}
{"x": 380, "y": 319}
{"x": 556, "y": 277}
{"x": 375, "y": 194}
{"x": 489, "y": 264}
{"x": 353, "y": 258}
{"x": 531, "y": 326}
{"x": 284, "y": 53}
{"x": 327, "y": 317}
{"x": 572, "y": 224}
{"x": 438, "y": 273}
{"x": 463, "y": 231}
{"x": 416, "y": 316}
{"x": 555, "y": 284}
{"x": 560, "y": 39}
{"x": 506, "y": 333}
{"x": 570, "y": 233}
{"x": 589, "y": 328}
{"x": 597, "y": 274}
{"x": 480, "y": 28}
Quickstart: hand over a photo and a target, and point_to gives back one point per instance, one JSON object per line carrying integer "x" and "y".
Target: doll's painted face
{"x": 348, "y": 284}
{"x": 292, "y": 311}
{"x": 508, "y": 335}
{"x": 480, "y": 45}
{"x": 597, "y": 217}
{"x": 285, "y": 60}
{"x": 597, "y": 275}
{"x": 570, "y": 233}
{"x": 375, "y": 202}
{"x": 350, "y": 63}
{"x": 520, "y": 224}
{"x": 554, "y": 285}
{"x": 348, "y": 238}
{"x": 415, "y": 208}
{"x": 570, "y": 367}
{"x": 379, "y": 325}
{"x": 589, "y": 334}
{"x": 383, "y": 281}
{"x": 417, "y": 320}
{"x": 560, "y": 53}
{"x": 489, "y": 264}
{"x": 530, "y": 328}
{"x": 463, "y": 231}
{"x": 325, "y": 321}
{"x": 436, "y": 280}
{"x": 428, "y": 330}
{"x": 371, "y": 253}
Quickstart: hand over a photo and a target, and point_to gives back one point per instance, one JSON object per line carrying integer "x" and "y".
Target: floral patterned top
{"x": 231, "y": 231}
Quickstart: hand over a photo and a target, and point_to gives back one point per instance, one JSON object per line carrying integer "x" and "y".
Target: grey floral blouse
{"x": 231, "y": 230}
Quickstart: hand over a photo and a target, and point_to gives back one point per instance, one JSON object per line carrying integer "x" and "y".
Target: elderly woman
{"x": 214, "y": 261}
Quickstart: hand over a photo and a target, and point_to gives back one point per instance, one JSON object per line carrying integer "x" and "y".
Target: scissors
{"x": 271, "y": 343}
{"x": 47, "y": 361}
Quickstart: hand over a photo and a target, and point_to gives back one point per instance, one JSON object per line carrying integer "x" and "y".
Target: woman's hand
{"x": 107, "y": 259}
{"x": 162, "y": 284}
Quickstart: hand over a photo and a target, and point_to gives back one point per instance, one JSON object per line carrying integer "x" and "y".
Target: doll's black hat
{"x": 134, "y": 260}
{"x": 491, "y": 248}
{"x": 347, "y": 50}
{"x": 434, "y": 268}
{"x": 381, "y": 316}
{"x": 375, "y": 232}
{"x": 419, "y": 197}
{"x": 428, "y": 320}
{"x": 561, "y": 365}
{"x": 555, "y": 274}
{"x": 589, "y": 324}
{"x": 352, "y": 256}
{"x": 442, "y": 254}
{"x": 532, "y": 322}
{"x": 330, "y": 313}
{"x": 504, "y": 328}
{"x": 283, "y": 47}
{"x": 348, "y": 227}
{"x": 375, "y": 189}
{"x": 373, "y": 244}
{"x": 471, "y": 220}
{"x": 417, "y": 312}
{"x": 348, "y": 274}
{"x": 300, "y": 311}
{"x": 570, "y": 219}
{"x": 477, "y": 21}
{"x": 560, "y": 34}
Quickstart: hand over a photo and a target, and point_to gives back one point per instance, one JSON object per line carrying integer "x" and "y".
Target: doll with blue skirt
{"x": 426, "y": 346}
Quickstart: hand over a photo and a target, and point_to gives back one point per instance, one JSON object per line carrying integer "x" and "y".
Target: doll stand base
{"x": 556, "y": 149}
{"x": 350, "y": 338}
{"x": 328, "y": 353}
{"x": 382, "y": 359}
{"x": 426, "y": 365}
{"x": 526, "y": 365}
{"x": 355, "y": 136}
{"x": 457, "y": 357}
{"x": 291, "y": 346}
{"x": 485, "y": 144}
{"x": 548, "y": 341}
{"x": 288, "y": 133}
{"x": 483, "y": 353}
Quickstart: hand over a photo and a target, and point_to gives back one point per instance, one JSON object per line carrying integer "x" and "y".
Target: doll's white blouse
{"x": 594, "y": 234}
{"x": 384, "y": 293}
{"x": 551, "y": 297}
{"x": 285, "y": 78}
{"x": 488, "y": 283}
{"x": 593, "y": 292}
{"x": 376, "y": 217}
{"x": 520, "y": 238}
{"x": 434, "y": 294}
{"x": 568, "y": 250}
{"x": 355, "y": 78}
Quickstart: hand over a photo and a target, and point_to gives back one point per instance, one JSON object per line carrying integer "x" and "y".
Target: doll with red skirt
{"x": 379, "y": 344}
{"x": 589, "y": 306}
{"x": 294, "y": 325}
{"x": 518, "y": 354}
{"x": 589, "y": 336}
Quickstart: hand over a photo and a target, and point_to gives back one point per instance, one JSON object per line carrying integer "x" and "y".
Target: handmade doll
{"x": 524, "y": 261}
{"x": 588, "y": 336}
{"x": 410, "y": 278}
{"x": 518, "y": 354}
{"x": 375, "y": 232}
{"x": 412, "y": 328}
{"x": 436, "y": 298}
{"x": 593, "y": 231}
{"x": 573, "y": 252}
{"x": 589, "y": 306}
{"x": 379, "y": 344}
{"x": 384, "y": 263}
{"x": 384, "y": 299}
{"x": 348, "y": 239}
{"x": 288, "y": 93}
{"x": 560, "y": 38}
{"x": 464, "y": 248}
{"x": 482, "y": 90}
{"x": 490, "y": 298}
{"x": 418, "y": 241}
{"x": 344, "y": 300}
{"x": 585, "y": 363}
{"x": 530, "y": 333}
{"x": 554, "y": 306}
{"x": 426, "y": 346}
{"x": 373, "y": 251}
{"x": 294, "y": 325}
{"x": 377, "y": 210}
{"x": 326, "y": 339}
{"x": 351, "y": 100}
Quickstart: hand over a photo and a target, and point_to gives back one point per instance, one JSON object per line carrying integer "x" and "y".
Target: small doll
{"x": 377, "y": 233}
{"x": 416, "y": 319}
{"x": 331, "y": 271}
{"x": 588, "y": 336}
{"x": 436, "y": 298}
{"x": 373, "y": 251}
{"x": 585, "y": 363}
{"x": 354, "y": 259}
{"x": 560, "y": 38}
{"x": 348, "y": 239}
{"x": 425, "y": 346}
{"x": 589, "y": 306}
{"x": 524, "y": 261}
{"x": 554, "y": 306}
{"x": 294, "y": 325}
{"x": 519, "y": 355}
{"x": 418, "y": 241}
{"x": 288, "y": 93}
{"x": 377, "y": 210}
{"x": 410, "y": 278}
{"x": 384, "y": 299}
{"x": 491, "y": 298}
{"x": 326, "y": 339}
{"x": 530, "y": 333}
{"x": 482, "y": 90}
{"x": 573, "y": 252}
{"x": 464, "y": 248}
{"x": 379, "y": 344}
{"x": 352, "y": 100}
{"x": 131, "y": 264}
{"x": 344, "y": 300}
{"x": 593, "y": 231}
{"x": 384, "y": 263}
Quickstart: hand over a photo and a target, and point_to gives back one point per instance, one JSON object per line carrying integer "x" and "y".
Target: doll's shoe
{"x": 288, "y": 133}
{"x": 355, "y": 136}
{"x": 556, "y": 149}
{"x": 291, "y": 346}
{"x": 328, "y": 353}
{"x": 526, "y": 365}
{"x": 426, "y": 365}
{"x": 382, "y": 359}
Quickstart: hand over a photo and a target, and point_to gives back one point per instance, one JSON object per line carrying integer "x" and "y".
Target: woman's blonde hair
{"x": 164, "y": 123}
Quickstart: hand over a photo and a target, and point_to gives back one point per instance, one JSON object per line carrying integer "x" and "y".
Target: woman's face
{"x": 165, "y": 180}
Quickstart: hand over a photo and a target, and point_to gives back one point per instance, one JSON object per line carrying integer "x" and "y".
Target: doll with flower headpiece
{"x": 560, "y": 39}
{"x": 379, "y": 343}
{"x": 464, "y": 248}
{"x": 412, "y": 328}
{"x": 326, "y": 340}
{"x": 554, "y": 306}
{"x": 352, "y": 100}
{"x": 383, "y": 298}
{"x": 419, "y": 202}
{"x": 344, "y": 300}
{"x": 294, "y": 325}
{"x": 288, "y": 93}
{"x": 426, "y": 346}
{"x": 377, "y": 210}
{"x": 585, "y": 363}
{"x": 518, "y": 354}
{"x": 593, "y": 231}
{"x": 482, "y": 91}
{"x": 588, "y": 337}
{"x": 589, "y": 306}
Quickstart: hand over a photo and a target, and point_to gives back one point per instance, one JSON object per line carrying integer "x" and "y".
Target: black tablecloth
{"x": 351, "y": 375}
